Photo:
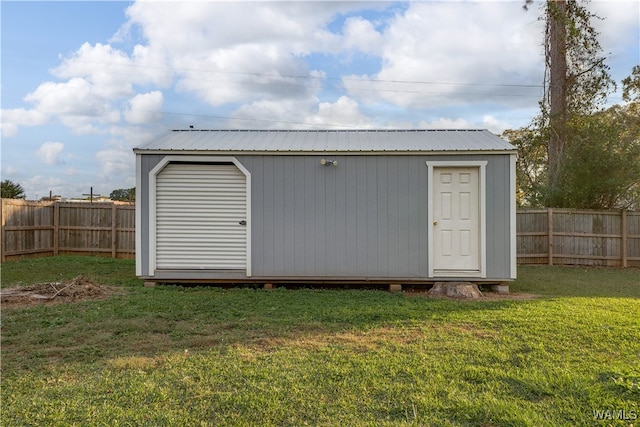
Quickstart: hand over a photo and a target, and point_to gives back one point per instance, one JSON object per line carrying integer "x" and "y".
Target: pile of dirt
{"x": 77, "y": 289}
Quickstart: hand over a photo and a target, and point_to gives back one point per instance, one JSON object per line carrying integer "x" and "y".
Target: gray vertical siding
{"x": 365, "y": 218}
{"x": 498, "y": 220}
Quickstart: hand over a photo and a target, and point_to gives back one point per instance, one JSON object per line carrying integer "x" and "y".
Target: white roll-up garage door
{"x": 201, "y": 212}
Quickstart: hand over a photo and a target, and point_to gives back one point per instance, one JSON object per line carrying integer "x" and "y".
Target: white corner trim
{"x": 513, "y": 216}
{"x": 194, "y": 159}
{"x": 138, "y": 223}
{"x": 482, "y": 166}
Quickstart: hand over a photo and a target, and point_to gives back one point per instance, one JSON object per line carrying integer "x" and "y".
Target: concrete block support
{"x": 501, "y": 289}
{"x": 395, "y": 287}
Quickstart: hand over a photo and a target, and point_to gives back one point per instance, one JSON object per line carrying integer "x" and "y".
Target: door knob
{"x": 435, "y": 222}
{"x": 243, "y": 222}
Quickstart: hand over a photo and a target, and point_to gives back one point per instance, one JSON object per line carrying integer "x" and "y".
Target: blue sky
{"x": 85, "y": 82}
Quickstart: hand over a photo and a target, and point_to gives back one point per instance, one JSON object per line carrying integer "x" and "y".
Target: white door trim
{"x": 153, "y": 174}
{"x": 481, "y": 165}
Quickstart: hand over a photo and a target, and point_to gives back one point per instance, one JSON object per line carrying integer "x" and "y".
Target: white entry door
{"x": 456, "y": 221}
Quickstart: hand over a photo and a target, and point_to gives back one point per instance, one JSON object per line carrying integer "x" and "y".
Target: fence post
{"x": 550, "y": 234}
{"x": 114, "y": 220}
{"x": 623, "y": 240}
{"x": 56, "y": 228}
{"x": 3, "y": 215}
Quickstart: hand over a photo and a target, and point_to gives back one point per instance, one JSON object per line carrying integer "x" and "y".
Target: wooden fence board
{"x": 633, "y": 239}
{"x": 125, "y": 218}
{"x": 578, "y": 237}
{"x": 45, "y": 229}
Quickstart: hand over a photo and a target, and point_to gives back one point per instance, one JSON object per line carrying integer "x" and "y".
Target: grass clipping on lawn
{"x": 77, "y": 289}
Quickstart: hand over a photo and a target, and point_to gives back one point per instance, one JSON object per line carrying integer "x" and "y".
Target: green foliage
{"x": 631, "y": 85}
{"x": 531, "y": 166}
{"x": 602, "y": 165}
{"x": 211, "y": 356}
{"x": 124, "y": 194}
{"x": 11, "y": 190}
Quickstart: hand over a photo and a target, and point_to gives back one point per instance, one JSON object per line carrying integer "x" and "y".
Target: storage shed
{"x": 356, "y": 206}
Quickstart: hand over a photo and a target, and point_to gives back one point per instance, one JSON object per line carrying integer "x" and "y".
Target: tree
{"x": 124, "y": 194}
{"x": 576, "y": 83}
{"x": 12, "y": 190}
{"x": 601, "y": 168}
{"x": 557, "y": 89}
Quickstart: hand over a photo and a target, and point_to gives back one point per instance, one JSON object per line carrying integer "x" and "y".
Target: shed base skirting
{"x": 239, "y": 278}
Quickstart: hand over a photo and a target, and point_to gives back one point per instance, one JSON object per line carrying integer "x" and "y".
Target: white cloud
{"x": 108, "y": 71}
{"x": 9, "y": 129}
{"x": 344, "y": 113}
{"x": 96, "y": 78}
{"x": 281, "y": 114}
{"x": 12, "y": 118}
{"x": 360, "y": 34}
{"x": 8, "y": 170}
{"x": 144, "y": 108}
{"x": 293, "y": 114}
{"x": 115, "y": 163}
{"x": 127, "y": 137}
{"x": 73, "y": 98}
{"x": 112, "y": 72}
{"x": 71, "y": 172}
{"x": 495, "y": 125}
{"x": 446, "y": 123}
{"x": 76, "y": 103}
{"x": 188, "y": 28}
{"x": 486, "y": 122}
{"x": 49, "y": 152}
{"x": 269, "y": 73}
{"x": 620, "y": 23}
{"x": 428, "y": 62}
{"x": 223, "y": 62}
{"x": 39, "y": 186}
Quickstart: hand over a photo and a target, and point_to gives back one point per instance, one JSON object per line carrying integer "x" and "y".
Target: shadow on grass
{"x": 557, "y": 281}
{"x": 149, "y": 321}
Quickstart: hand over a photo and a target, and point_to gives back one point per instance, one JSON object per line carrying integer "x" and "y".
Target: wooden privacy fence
{"x": 46, "y": 229}
{"x": 544, "y": 236}
{"x": 578, "y": 237}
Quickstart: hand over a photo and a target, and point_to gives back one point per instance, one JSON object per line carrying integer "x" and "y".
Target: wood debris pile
{"x": 76, "y": 289}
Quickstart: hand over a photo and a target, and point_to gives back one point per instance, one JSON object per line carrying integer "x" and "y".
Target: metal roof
{"x": 326, "y": 141}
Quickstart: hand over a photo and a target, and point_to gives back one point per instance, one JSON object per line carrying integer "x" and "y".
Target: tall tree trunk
{"x": 557, "y": 63}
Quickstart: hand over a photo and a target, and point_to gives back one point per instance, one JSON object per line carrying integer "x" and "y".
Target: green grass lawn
{"x": 179, "y": 356}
